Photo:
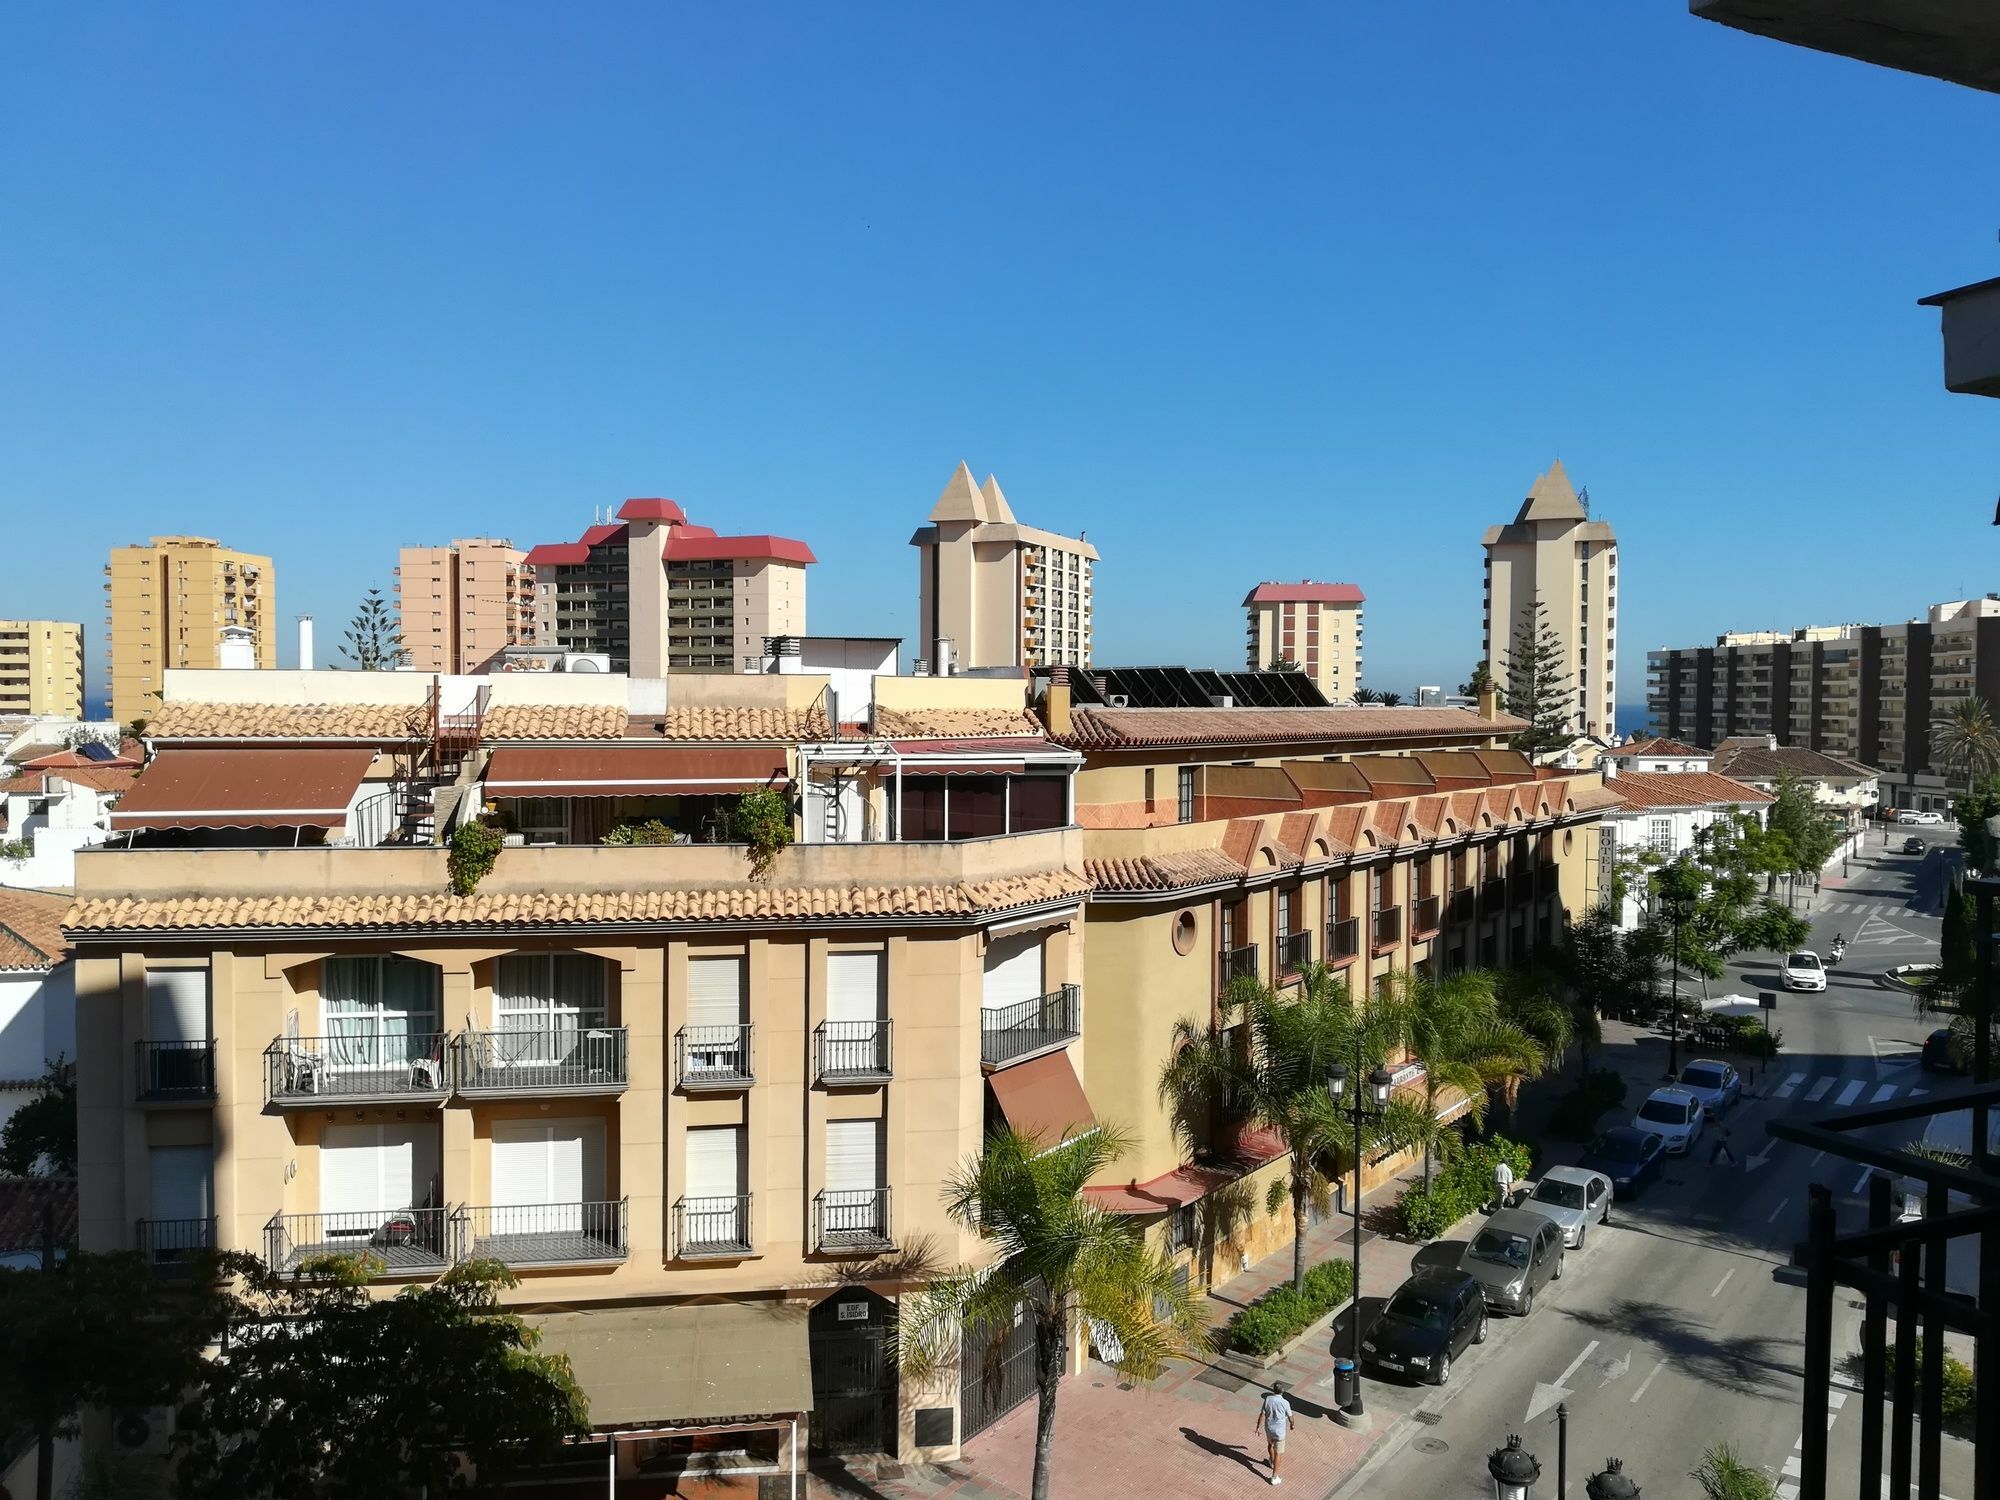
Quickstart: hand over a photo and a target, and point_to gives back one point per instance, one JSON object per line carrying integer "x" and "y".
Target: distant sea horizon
{"x": 1631, "y": 718}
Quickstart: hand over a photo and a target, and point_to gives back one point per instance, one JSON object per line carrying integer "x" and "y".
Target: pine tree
{"x": 1537, "y": 688}
{"x": 372, "y": 641}
{"x": 1480, "y": 680}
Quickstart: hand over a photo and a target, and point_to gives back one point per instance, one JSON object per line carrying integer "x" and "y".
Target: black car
{"x": 1630, "y": 1158}
{"x": 1939, "y": 1057}
{"x": 1914, "y": 845}
{"x": 1429, "y": 1321}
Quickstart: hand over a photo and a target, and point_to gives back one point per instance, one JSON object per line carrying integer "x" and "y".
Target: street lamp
{"x": 1674, "y": 909}
{"x": 1514, "y": 1472}
{"x": 1367, "y": 1105}
{"x": 1611, "y": 1484}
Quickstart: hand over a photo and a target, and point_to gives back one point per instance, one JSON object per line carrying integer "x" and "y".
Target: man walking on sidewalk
{"x": 1274, "y": 1420}
{"x": 1503, "y": 1185}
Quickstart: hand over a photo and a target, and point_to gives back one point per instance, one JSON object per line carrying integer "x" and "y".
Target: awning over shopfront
{"x": 244, "y": 788}
{"x": 1170, "y": 1190}
{"x": 1043, "y": 1099}
{"x": 716, "y": 1363}
{"x": 633, "y": 770}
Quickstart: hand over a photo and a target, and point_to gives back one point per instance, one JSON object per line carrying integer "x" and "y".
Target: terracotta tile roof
{"x": 1163, "y": 872}
{"x": 102, "y": 915}
{"x": 106, "y": 779}
{"x": 783, "y": 725}
{"x": 1591, "y": 797}
{"x": 383, "y": 723}
{"x": 31, "y": 929}
{"x": 1667, "y": 748}
{"x": 553, "y": 721}
{"x": 1120, "y": 728}
{"x": 1759, "y": 760}
{"x": 1644, "y": 789}
{"x": 955, "y": 723}
{"x": 21, "y": 1201}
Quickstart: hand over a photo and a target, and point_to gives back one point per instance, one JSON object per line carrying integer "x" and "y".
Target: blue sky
{"x": 1246, "y": 292}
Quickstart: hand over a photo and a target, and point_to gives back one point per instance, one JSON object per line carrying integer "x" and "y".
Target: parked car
{"x": 1803, "y": 971}
{"x": 1427, "y": 1324}
{"x": 1716, "y": 1084}
{"x": 1516, "y": 1253}
{"x": 1672, "y": 1114}
{"x": 1572, "y": 1199}
{"x": 1939, "y": 1055}
{"x": 1630, "y": 1158}
{"x": 1914, "y": 845}
{"x": 1926, "y": 819}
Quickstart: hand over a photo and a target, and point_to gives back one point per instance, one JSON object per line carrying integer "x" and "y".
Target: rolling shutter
{"x": 177, "y": 1005}
{"x": 180, "y": 1182}
{"x": 715, "y": 992}
{"x": 714, "y": 1161}
{"x": 548, "y": 1166}
{"x": 853, "y": 1155}
{"x": 1013, "y": 970}
{"x": 366, "y": 1171}
{"x": 854, "y": 987}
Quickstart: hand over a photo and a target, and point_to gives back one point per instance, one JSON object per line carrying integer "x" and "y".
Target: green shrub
{"x": 762, "y": 818}
{"x": 1724, "y": 1476}
{"x": 652, "y": 831}
{"x": 474, "y": 848}
{"x": 1958, "y": 1385}
{"x": 1576, "y": 1113}
{"x": 1738, "y": 1034}
{"x": 1461, "y": 1186}
{"x": 1282, "y": 1313}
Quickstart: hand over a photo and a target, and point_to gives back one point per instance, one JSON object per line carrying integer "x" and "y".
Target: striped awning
{"x": 640, "y": 770}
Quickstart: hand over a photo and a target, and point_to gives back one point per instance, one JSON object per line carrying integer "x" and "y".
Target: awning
{"x": 1042, "y": 1099}
{"x": 1176, "y": 1189}
{"x": 650, "y": 1367}
{"x": 632, "y": 770}
{"x": 930, "y": 766}
{"x": 244, "y": 788}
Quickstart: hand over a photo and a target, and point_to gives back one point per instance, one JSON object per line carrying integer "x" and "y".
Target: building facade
{"x": 167, "y": 605}
{"x": 1315, "y": 626}
{"x": 1554, "y": 554}
{"x": 459, "y": 606}
{"x": 1656, "y": 816}
{"x": 654, "y": 594}
{"x": 994, "y": 593}
{"x": 41, "y": 668}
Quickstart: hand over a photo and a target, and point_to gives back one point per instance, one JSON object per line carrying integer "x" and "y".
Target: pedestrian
{"x": 1720, "y": 1153}
{"x": 1274, "y": 1420}
{"x": 1503, "y": 1184}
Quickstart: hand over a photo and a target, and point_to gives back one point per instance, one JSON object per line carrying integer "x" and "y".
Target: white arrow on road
{"x": 1613, "y": 1368}
{"x": 1752, "y": 1163}
{"x": 1547, "y": 1395}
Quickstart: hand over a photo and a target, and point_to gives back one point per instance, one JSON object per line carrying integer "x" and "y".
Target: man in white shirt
{"x": 1503, "y": 1184}
{"x": 1274, "y": 1420}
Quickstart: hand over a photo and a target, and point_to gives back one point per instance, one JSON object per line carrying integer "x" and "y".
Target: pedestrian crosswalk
{"x": 1796, "y": 1085}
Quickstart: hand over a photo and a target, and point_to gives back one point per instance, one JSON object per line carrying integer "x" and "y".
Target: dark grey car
{"x": 1515, "y": 1254}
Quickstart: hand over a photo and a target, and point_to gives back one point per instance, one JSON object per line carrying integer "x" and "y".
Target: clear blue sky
{"x": 1246, "y": 292}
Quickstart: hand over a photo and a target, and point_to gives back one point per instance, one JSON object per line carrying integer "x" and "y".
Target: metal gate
{"x": 996, "y": 1373}
{"x": 853, "y": 1373}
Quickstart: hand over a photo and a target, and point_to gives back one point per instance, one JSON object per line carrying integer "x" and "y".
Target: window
{"x": 545, "y": 1002}
{"x": 1660, "y": 836}
{"x": 1187, "y": 794}
{"x": 1383, "y": 888}
{"x": 1235, "y": 924}
{"x": 1149, "y": 789}
{"x": 380, "y": 1012}
{"x": 1288, "y": 912}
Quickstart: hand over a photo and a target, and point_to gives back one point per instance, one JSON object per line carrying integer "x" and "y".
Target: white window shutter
{"x": 853, "y": 1155}
{"x": 854, "y": 986}
{"x": 1013, "y": 970}
{"x": 714, "y": 1161}
{"x": 715, "y": 991}
{"x": 180, "y": 1182}
{"x": 177, "y": 1005}
{"x": 520, "y": 1163}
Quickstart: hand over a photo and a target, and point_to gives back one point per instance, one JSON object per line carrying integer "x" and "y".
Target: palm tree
{"x": 1457, "y": 1031}
{"x": 1366, "y": 695}
{"x": 1389, "y": 700}
{"x": 1964, "y": 738}
{"x": 1268, "y": 1062}
{"x": 1058, "y": 1259}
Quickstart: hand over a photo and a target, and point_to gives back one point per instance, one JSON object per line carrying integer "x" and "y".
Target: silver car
{"x": 1515, "y": 1254}
{"x": 1574, "y": 1198}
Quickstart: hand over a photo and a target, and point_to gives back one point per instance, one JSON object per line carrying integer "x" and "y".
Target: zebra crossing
{"x": 1837, "y": 1395}
{"x": 1851, "y": 1090}
{"x": 1848, "y": 906}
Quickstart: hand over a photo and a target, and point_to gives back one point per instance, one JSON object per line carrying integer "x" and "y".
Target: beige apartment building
{"x": 994, "y": 593}
{"x": 1554, "y": 553}
{"x": 166, "y": 605}
{"x": 1316, "y": 626}
{"x": 41, "y": 668}
{"x": 460, "y": 606}
{"x": 652, "y": 593}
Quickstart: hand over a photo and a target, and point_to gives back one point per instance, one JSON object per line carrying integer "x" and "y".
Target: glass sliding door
{"x": 381, "y": 1013}
{"x": 547, "y": 1005}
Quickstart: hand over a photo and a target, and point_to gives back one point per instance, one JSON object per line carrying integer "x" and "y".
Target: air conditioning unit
{"x": 1117, "y": 700}
{"x": 141, "y": 1431}
{"x": 1221, "y": 700}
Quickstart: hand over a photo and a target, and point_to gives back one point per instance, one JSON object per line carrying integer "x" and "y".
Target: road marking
{"x": 1790, "y": 1085}
{"x": 1723, "y": 1283}
{"x": 1836, "y": 1399}
{"x": 1818, "y": 1157}
{"x": 1783, "y": 1204}
{"x": 1917, "y": 1093}
{"x": 1849, "y": 1094}
{"x": 1818, "y": 1091}
{"x": 1577, "y": 1363}
{"x": 1887, "y": 1091}
{"x": 1646, "y": 1384}
{"x": 1861, "y": 1185}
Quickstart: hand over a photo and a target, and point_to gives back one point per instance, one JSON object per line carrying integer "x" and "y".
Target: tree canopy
{"x": 1965, "y": 740}
{"x": 40, "y": 1137}
{"x": 372, "y": 640}
{"x": 1538, "y": 689}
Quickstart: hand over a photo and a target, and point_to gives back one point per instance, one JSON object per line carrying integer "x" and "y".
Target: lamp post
{"x": 1367, "y": 1105}
{"x": 1674, "y": 1019}
{"x": 1514, "y": 1472}
{"x": 1611, "y": 1484}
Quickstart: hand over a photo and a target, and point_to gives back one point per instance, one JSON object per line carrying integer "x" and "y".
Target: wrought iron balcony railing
{"x": 713, "y": 1057}
{"x": 1236, "y": 963}
{"x": 1425, "y": 917}
{"x": 173, "y": 1072}
{"x": 851, "y": 1051}
{"x": 1343, "y": 939}
{"x": 712, "y": 1228}
{"x": 1492, "y": 896}
{"x": 1387, "y": 928}
{"x": 1008, "y": 1033}
{"x": 172, "y": 1245}
{"x": 401, "y": 1242}
{"x": 1460, "y": 908}
{"x": 541, "y": 1060}
{"x": 376, "y": 1066}
{"x": 543, "y": 1234}
{"x": 1295, "y": 951}
{"x": 852, "y": 1220}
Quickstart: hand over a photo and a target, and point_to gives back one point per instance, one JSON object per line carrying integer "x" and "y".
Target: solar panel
{"x": 1194, "y": 687}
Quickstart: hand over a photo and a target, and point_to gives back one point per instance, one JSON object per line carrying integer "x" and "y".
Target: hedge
{"x": 1956, "y": 1405}
{"x": 1459, "y": 1187}
{"x": 1575, "y": 1116}
{"x": 1282, "y": 1313}
{"x": 1737, "y": 1034}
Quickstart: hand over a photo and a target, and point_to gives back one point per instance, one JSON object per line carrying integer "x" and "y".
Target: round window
{"x": 1184, "y": 933}
{"x": 1567, "y": 836}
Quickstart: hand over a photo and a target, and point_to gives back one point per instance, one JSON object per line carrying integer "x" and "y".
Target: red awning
{"x": 933, "y": 768}
{"x": 639, "y": 770}
{"x": 1170, "y": 1190}
{"x": 244, "y": 788}
{"x": 1042, "y": 1099}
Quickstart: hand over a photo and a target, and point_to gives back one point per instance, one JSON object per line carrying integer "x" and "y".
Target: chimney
{"x": 1055, "y": 703}
{"x": 1610, "y": 764}
{"x": 305, "y": 643}
{"x": 1489, "y": 702}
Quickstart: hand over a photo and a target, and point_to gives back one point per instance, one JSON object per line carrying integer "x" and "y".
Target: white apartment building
{"x": 1317, "y": 626}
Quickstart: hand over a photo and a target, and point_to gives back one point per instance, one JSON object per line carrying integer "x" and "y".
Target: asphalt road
{"x": 1670, "y": 1331}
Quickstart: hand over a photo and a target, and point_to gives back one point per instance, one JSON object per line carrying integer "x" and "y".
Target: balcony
{"x": 1295, "y": 951}
{"x": 1461, "y": 907}
{"x": 540, "y": 1060}
{"x": 852, "y": 1222}
{"x": 713, "y": 1059}
{"x": 1236, "y": 963}
{"x": 171, "y": 1246}
{"x": 173, "y": 1072}
{"x": 1425, "y": 916}
{"x": 1386, "y": 928}
{"x": 1343, "y": 940}
{"x": 1521, "y": 888}
{"x": 364, "y": 1068}
{"x": 1548, "y": 880}
{"x": 1492, "y": 896}
{"x": 404, "y": 1242}
{"x": 851, "y": 1052}
{"x": 543, "y": 1234}
{"x": 1028, "y": 1028}
{"x": 712, "y": 1228}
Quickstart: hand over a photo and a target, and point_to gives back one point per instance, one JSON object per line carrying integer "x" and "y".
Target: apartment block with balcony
{"x": 167, "y": 604}
{"x": 1315, "y": 626}
{"x": 41, "y": 668}
{"x": 459, "y": 606}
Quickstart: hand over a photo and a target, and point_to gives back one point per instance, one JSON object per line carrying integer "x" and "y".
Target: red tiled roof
{"x": 1669, "y": 749}
{"x": 549, "y": 554}
{"x": 1120, "y": 728}
{"x": 21, "y": 1216}
{"x": 1175, "y": 1189}
{"x": 1760, "y": 760}
{"x": 31, "y": 929}
{"x": 1644, "y": 789}
{"x": 683, "y": 548}
{"x": 651, "y": 509}
{"x": 1304, "y": 593}
{"x": 64, "y": 760}
{"x": 1163, "y": 872}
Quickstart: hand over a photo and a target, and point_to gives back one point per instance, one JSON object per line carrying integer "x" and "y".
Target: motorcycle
{"x": 1839, "y": 950}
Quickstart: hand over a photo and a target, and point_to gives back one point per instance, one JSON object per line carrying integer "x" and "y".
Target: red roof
{"x": 1305, "y": 593}
{"x": 1174, "y": 1189}
{"x": 1641, "y": 789}
{"x": 683, "y": 548}
{"x": 651, "y": 509}
{"x": 21, "y": 1217}
{"x": 597, "y": 536}
{"x": 239, "y": 788}
{"x": 63, "y": 760}
{"x": 551, "y": 553}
